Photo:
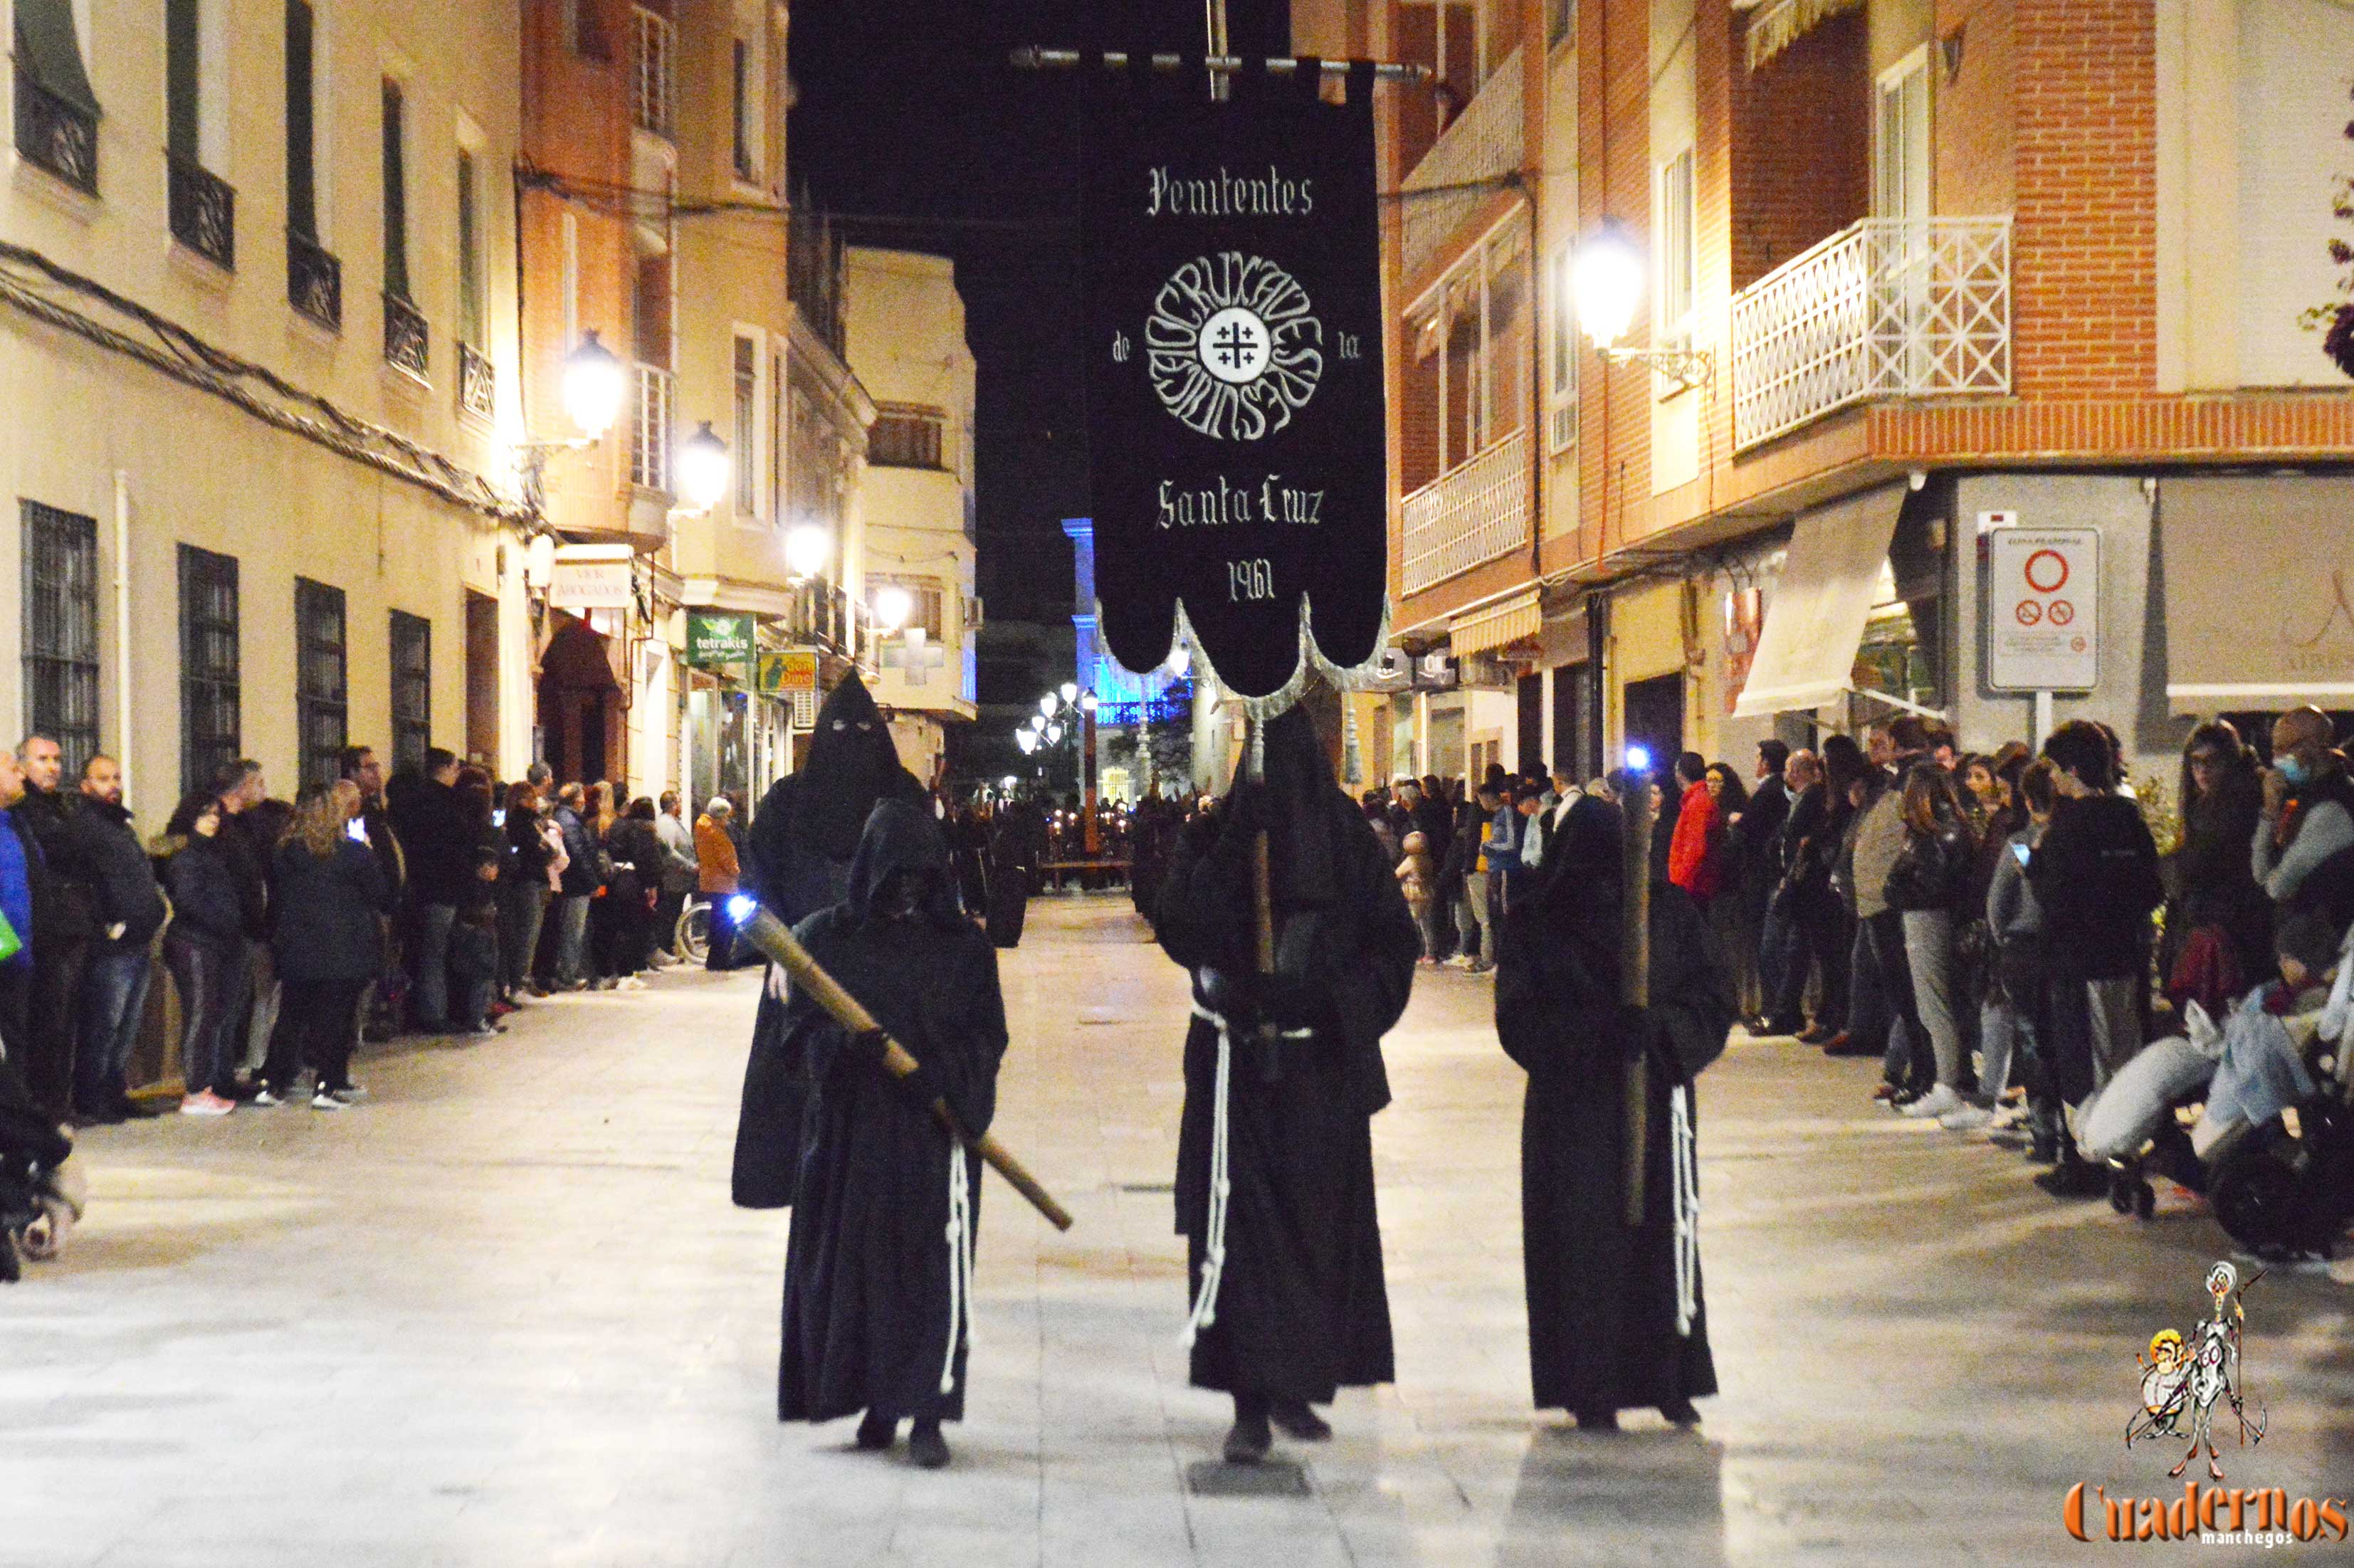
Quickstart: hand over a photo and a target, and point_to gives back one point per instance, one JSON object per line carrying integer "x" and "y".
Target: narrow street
{"x": 502, "y": 1314}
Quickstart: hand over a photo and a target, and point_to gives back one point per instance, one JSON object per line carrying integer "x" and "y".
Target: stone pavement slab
{"x": 503, "y": 1315}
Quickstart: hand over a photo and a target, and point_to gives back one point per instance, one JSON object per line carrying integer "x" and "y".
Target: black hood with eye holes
{"x": 900, "y": 838}
{"x": 851, "y": 765}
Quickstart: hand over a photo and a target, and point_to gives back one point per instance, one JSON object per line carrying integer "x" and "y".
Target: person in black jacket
{"x": 2094, "y": 875}
{"x": 438, "y": 846}
{"x": 65, "y": 911}
{"x": 130, "y": 911}
{"x": 204, "y": 949}
{"x": 2212, "y": 888}
{"x": 1788, "y": 947}
{"x": 524, "y": 888}
{"x": 328, "y": 942}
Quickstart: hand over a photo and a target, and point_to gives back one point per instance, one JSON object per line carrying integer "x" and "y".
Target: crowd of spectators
{"x": 418, "y": 903}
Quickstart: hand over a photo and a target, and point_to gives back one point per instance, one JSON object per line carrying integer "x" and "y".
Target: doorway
{"x": 1655, "y": 719}
{"x": 483, "y": 680}
{"x": 581, "y": 710}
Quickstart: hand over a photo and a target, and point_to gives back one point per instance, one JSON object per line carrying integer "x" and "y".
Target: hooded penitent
{"x": 1276, "y": 1183}
{"x": 796, "y": 862}
{"x": 878, "y": 1271}
{"x": 1615, "y": 1316}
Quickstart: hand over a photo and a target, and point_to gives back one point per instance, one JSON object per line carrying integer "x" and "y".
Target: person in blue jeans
{"x": 114, "y": 984}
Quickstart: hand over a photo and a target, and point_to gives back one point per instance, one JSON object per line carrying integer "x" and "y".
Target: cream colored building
{"x": 907, "y": 347}
{"x": 257, "y": 341}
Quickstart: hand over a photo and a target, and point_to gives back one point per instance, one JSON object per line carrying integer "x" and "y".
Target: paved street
{"x": 503, "y": 1315}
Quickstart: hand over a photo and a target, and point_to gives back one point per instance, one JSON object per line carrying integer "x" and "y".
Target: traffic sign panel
{"x": 2036, "y": 639}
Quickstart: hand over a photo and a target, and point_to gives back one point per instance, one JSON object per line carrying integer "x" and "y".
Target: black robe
{"x": 796, "y": 862}
{"x": 871, "y": 1298}
{"x": 1602, "y": 1298}
{"x": 1014, "y": 856}
{"x": 1301, "y": 1306}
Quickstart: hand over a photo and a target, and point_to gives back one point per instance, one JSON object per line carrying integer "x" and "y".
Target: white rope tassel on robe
{"x": 960, "y": 1251}
{"x": 1684, "y": 1152}
{"x": 1213, "y": 1244}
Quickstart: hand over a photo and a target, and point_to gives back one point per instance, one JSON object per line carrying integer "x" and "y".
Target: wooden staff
{"x": 769, "y": 933}
{"x": 1635, "y": 976}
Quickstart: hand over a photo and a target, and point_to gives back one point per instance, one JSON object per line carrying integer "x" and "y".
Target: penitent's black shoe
{"x": 1681, "y": 1413}
{"x": 877, "y": 1431}
{"x": 927, "y": 1447}
{"x": 1299, "y": 1420}
{"x": 1597, "y": 1421}
{"x": 1249, "y": 1441}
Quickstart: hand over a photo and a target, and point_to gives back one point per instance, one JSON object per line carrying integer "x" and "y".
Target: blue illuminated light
{"x": 742, "y": 906}
{"x": 1639, "y": 758}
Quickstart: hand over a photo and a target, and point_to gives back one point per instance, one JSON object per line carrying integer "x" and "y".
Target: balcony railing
{"x": 650, "y": 429}
{"x": 1472, "y": 514}
{"x": 653, "y": 98}
{"x": 56, "y": 135}
{"x": 314, "y": 280}
{"x": 204, "y": 211}
{"x": 405, "y": 336}
{"x": 478, "y": 383}
{"x": 1484, "y": 143}
{"x": 1884, "y": 308}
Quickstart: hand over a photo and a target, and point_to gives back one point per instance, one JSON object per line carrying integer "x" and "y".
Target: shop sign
{"x": 719, "y": 637}
{"x": 2043, "y": 609}
{"x": 783, "y": 672}
{"x": 595, "y": 582}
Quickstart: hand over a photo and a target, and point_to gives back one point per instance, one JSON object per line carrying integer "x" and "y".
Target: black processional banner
{"x": 1232, "y": 266}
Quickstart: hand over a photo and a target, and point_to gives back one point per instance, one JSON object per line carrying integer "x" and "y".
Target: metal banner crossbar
{"x": 1034, "y": 56}
{"x": 1884, "y": 308}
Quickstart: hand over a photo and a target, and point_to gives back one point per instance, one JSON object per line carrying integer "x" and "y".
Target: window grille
{"x": 321, "y": 694}
{"x": 60, "y": 640}
{"x": 210, "y": 730}
{"x": 412, "y": 689}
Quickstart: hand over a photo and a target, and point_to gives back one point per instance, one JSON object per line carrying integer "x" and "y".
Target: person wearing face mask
{"x": 2303, "y": 854}
{"x": 798, "y": 861}
{"x": 878, "y": 1271}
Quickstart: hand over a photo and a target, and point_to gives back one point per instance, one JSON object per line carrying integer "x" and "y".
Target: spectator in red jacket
{"x": 1695, "y": 863}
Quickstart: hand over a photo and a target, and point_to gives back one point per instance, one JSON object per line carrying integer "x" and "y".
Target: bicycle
{"x": 693, "y": 936}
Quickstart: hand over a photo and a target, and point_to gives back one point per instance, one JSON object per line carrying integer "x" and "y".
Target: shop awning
{"x": 2259, "y": 591}
{"x": 1815, "y": 621}
{"x": 1493, "y": 625}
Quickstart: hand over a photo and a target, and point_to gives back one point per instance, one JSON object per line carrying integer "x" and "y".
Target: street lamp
{"x": 1070, "y": 690}
{"x": 594, "y": 383}
{"x": 1046, "y": 705}
{"x": 807, "y": 546}
{"x": 702, "y": 469}
{"x": 1027, "y": 740}
{"x": 893, "y": 605}
{"x": 1608, "y": 285}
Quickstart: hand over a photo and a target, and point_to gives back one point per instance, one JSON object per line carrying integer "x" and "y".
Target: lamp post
{"x": 1069, "y": 709}
{"x": 1609, "y": 286}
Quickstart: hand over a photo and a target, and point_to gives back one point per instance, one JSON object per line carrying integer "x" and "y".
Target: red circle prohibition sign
{"x": 2063, "y": 612}
{"x": 2029, "y": 612}
{"x": 2037, "y": 563}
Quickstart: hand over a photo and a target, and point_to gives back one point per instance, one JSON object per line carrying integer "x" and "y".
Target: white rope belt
{"x": 1213, "y": 1244}
{"x": 1684, "y": 1155}
{"x": 960, "y": 1251}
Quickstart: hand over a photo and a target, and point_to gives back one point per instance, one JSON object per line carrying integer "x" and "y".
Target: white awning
{"x": 1815, "y": 620}
{"x": 1493, "y": 625}
{"x": 2259, "y": 591}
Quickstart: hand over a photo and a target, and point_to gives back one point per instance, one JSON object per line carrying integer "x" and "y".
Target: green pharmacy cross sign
{"x": 716, "y": 636}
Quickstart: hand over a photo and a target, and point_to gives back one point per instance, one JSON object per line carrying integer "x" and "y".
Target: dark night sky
{"x": 908, "y": 111}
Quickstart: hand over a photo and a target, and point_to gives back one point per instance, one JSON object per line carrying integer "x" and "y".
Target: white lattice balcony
{"x": 1484, "y": 143}
{"x": 1473, "y": 512}
{"x": 1884, "y": 308}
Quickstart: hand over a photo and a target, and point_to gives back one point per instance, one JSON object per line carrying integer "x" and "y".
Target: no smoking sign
{"x": 2043, "y": 609}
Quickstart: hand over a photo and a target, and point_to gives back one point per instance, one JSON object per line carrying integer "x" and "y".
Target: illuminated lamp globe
{"x": 1608, "y": 284}
{"x": 1054, "y": 735}
{"x": 703, "y": 469}
{"x": 806, "y": 549}
{"x": 1047, "y": 703}
{"x": 1070, "y": 690}
{"x": 594, "y": 382}
{"x": 893, "y": 605}
{"x": 1087, "y": 702}
{"x": 1027, "y": 740}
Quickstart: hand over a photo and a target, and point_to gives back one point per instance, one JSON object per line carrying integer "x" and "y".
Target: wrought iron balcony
{"x": 55, "y": 135}
{"x": 1884, "y": 308}
{"x": 650, "y": 429}
{"x": 204, "y": 211}
{"x": 1484, "y": 143}
{"x": 314, "y": 280}
{"x": 1470, "y": 515}
{"x": 478, "y": 383}
{"x": 405, "y": 335}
